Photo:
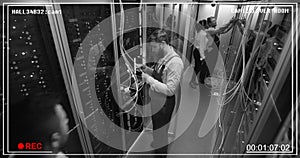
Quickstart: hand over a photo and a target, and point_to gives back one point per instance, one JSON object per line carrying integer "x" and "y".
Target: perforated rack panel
{"x": 30, "y": 69}
{"x": 81, "y": 24}
{"x": 33, "y": 66}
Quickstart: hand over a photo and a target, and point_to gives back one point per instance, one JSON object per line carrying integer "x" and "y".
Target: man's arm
{"x": 145, "y": 69}
{"x": 241, "y": 28}
{"x": 173, "y": 80}
{"x": 223, "y": 29}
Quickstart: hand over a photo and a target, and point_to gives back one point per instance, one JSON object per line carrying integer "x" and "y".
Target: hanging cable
{"x": 244, "y": 96}
{"x": 238, "y": 85}
{"x": 123, "y": 54}
{"x": 138, "y": 85}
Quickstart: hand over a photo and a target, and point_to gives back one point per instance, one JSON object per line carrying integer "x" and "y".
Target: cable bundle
{"x": 239, "y": 87}
{"x": 138, "y": 85}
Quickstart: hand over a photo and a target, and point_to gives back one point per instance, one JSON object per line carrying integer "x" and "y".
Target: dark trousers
{"x": 197, "y": 56}
{"x": 161, "y": 123}
{"x": 200, "y": 66}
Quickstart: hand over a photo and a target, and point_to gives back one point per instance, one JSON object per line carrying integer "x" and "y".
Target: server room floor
{"x": 191, "y": 118}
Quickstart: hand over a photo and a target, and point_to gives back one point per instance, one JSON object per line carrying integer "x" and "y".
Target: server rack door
{"x": 267, "y": 78}
{"x": 32, "y": 67}
{"x": 90, "y": 50}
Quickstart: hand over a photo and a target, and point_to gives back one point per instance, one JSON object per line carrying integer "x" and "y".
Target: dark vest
{"x": 143, "y": 94}
{"x": 158, "y": 73}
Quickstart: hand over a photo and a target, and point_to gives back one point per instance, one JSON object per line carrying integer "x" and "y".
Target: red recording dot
{"x": 20, "y": 146}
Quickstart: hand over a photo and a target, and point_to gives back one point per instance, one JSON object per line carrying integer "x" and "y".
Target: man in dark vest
{"x": 163, "y": 78}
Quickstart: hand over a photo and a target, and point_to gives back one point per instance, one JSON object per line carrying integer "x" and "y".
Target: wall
{"x": 205, "y": 10}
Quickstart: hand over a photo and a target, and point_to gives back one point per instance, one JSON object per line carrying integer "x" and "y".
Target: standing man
{"x": 200, "y": 44}
{"x": 215, "y": 33}
{"x": 212, "y": 48}
{"x": 164, "y": 81}
{"x": 212, "y": 23}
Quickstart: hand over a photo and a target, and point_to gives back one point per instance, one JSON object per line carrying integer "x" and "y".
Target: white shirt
{"x": 201, "y": 42}
{"x": 171, "y": 74}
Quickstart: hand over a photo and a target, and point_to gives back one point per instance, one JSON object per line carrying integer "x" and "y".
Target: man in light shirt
{"x": 215, "y": 33}
{"x": 164, "y": 79}
{"x": 205, "y": 38}
{"x": 201, "y": 43}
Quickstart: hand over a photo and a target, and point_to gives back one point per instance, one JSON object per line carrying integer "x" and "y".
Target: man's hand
{"x": 125, "y": 90}
{"x": 126, "y": 93}
{"x": 145, "y": 77}
{"x": 140, "y": 66}
{"x": 145, "y": 69}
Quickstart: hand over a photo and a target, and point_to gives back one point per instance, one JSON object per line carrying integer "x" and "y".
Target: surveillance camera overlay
{"x": 134, "y": 79}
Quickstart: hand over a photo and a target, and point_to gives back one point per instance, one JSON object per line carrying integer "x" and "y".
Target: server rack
{"x": 102, "y": 44}
{"x": 94, "y": 52}
{"x": 258, "y": 111}
{"x": 32, "y": 67}
{"x": 77, "y": 54}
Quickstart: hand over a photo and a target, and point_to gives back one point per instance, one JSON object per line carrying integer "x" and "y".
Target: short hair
{"x": 209, "y": 19}
{"x": 159, "y": 36}
{"x": 199, "y": 26}
{"x": 35, "y": 119}
{"x": 203, "y": 22}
